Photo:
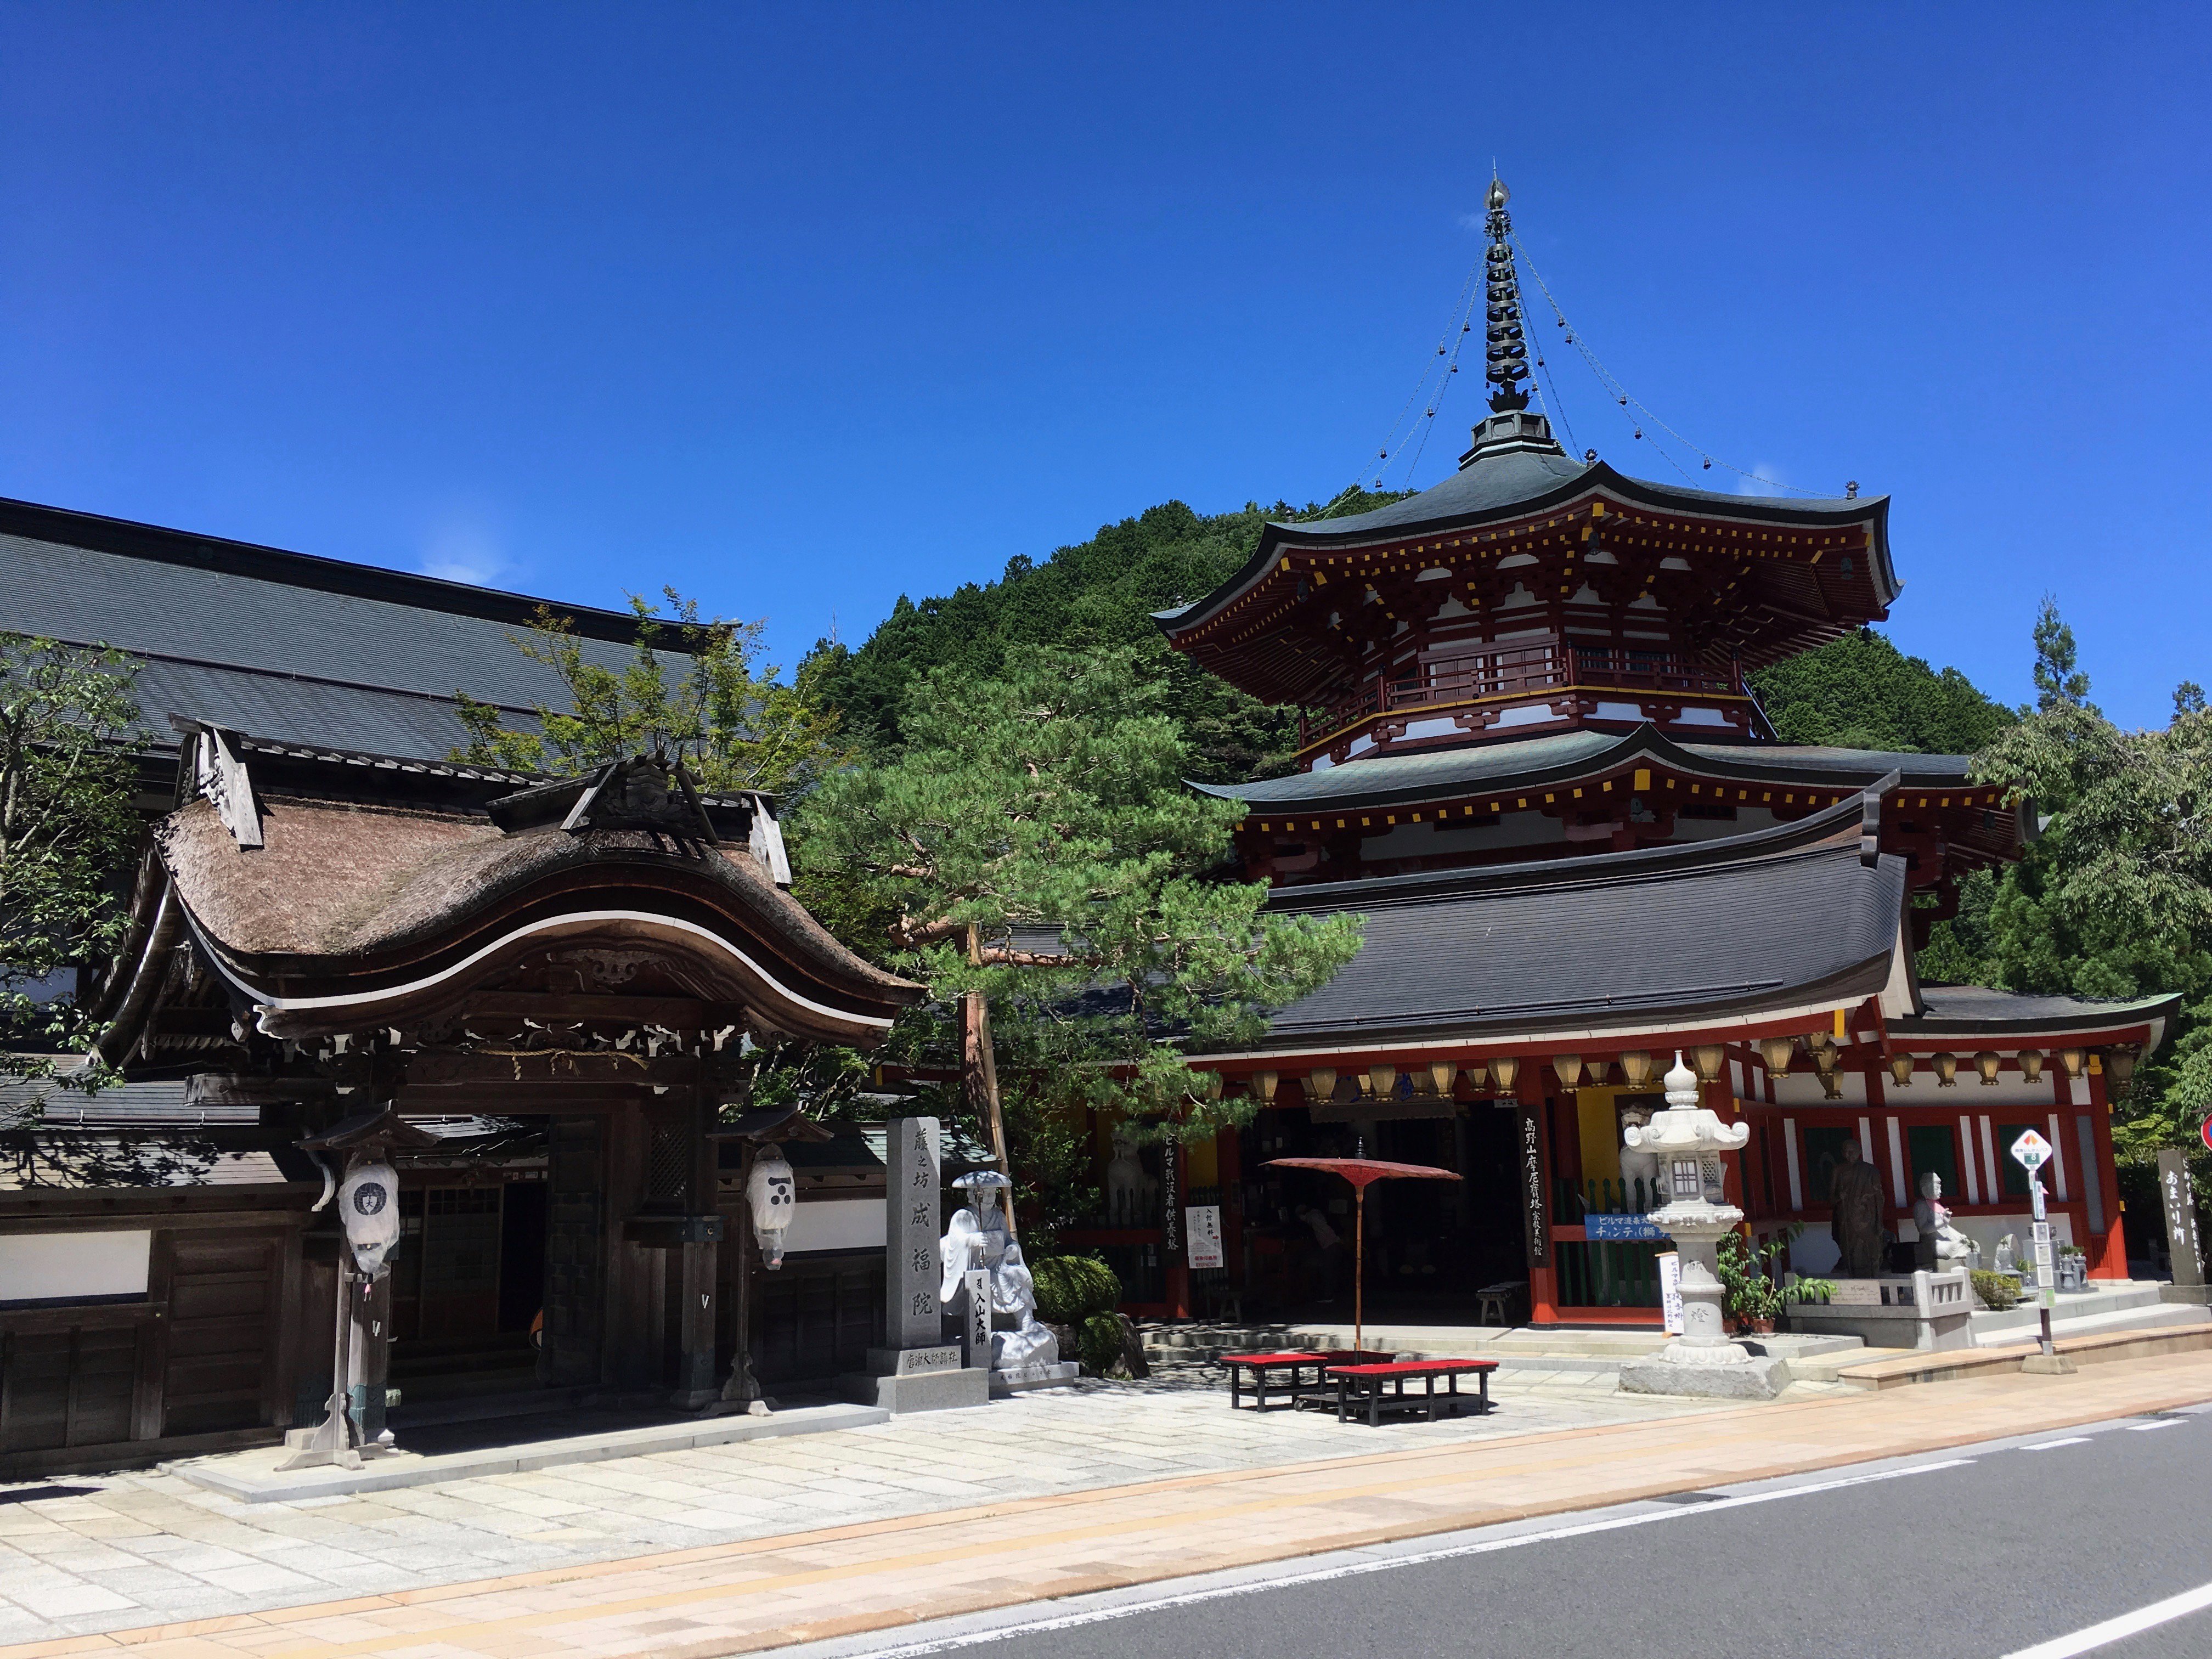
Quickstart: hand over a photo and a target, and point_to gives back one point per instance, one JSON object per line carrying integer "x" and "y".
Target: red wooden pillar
{"x": 2108, "y": 1253}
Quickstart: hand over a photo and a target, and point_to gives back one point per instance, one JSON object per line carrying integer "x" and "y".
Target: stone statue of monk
{"x": 1854, "y": 1218}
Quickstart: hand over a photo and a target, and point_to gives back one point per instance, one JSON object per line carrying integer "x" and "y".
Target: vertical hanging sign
{"x": 1170, "y": 1202}
{"x": 1535, "y": 1183}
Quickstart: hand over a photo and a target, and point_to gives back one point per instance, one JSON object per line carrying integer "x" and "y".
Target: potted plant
{"x": 1750, "y": 1295}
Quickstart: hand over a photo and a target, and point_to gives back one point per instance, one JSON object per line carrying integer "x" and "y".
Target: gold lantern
{"x": 1383, "y": 1080}
{"x": 1900, "y": 1069}
{"x": 1503, "y": 1071}
{"x": 1947, "y": 1071}
{"x": 1206, "y": 1085}
{"x": 1478, "y": 1076}
{"x": 1635, "y": 1068}
{"x": 1442, "y": 1075}
{"x": 2120, "y": 1063}
{"x": 1570, "y": 1068}
{"x": 1832, "y": 1085}
{"x": 1709, "y": 1058}
{"x": 2071, "y": 1059}
{"x": 2031, "y": 1065}
{"x": 1987, "y": 1063}
{"x": 1263, "y": 1087}
{"x": 1321, "y": 1086}
{"x": 1776, "y": 1051}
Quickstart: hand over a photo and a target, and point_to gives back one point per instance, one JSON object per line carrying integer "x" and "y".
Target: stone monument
{"x": 916, "y": 1370}
{"x": 1932, "y": 1310}
{"x": 1688, "y": 1140}
{"x": 1024, "y": 1354}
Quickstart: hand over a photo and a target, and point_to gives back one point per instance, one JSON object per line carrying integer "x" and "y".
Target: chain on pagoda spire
{"x": 1507, "y": 356}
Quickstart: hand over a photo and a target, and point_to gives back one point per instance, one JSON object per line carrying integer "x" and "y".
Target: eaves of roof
{"x": 1535, "y": 763}
{"x": 1978, "y": 1011}
{"x": 1463, "y": 502}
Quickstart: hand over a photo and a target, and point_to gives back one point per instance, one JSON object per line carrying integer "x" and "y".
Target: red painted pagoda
{"x": 1535, "y": 763}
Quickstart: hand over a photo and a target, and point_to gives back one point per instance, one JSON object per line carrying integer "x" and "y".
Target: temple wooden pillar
{"x": 697, "y": 1383}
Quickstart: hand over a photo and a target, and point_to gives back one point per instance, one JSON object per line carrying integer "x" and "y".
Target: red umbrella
{"x": 1362, "y": 1172}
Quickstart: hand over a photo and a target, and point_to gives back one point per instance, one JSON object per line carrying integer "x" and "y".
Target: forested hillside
{"x": 1858, "y": 692}
{"x": 1097, "y": 592}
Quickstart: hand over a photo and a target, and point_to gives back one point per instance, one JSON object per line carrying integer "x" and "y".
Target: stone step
{"x": 1905, "y": 1370}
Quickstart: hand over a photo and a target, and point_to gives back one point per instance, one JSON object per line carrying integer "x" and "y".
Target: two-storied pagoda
{"x": 1537, "y": 766}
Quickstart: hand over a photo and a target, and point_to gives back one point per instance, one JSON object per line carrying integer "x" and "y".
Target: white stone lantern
{"x": 1687, "y": 1139}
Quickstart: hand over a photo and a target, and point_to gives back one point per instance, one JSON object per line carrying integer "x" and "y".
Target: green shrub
{"x": 1997, "y": 1291}
{"x": 1098, "y": 1344}
{"x": 1072, "y": 1288}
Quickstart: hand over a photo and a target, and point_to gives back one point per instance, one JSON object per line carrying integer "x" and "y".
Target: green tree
{"x": 1033, "y": 841}
{"x": 1862, "y": 692}
{"x": 67, "y": 829}
{"x": 2113, "y": 901}
{"x": 694, "y": 689}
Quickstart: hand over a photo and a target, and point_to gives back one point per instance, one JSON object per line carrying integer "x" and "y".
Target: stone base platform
{"x": 1926, "y": 1312}
{"x": 1706, "y": 1373}
{"x": 1022, "y": 1378}
{"x": 251, "y": 1477}
{"x": 919, "y": 1391}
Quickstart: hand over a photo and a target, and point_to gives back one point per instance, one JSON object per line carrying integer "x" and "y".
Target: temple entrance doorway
{"x": 1432, "y": 1246}
{"x": 467, "y": 1282}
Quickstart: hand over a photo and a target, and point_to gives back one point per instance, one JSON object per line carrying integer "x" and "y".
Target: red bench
{"x": 1263, "y": 1367}
{"x": 1383, "y": 1386}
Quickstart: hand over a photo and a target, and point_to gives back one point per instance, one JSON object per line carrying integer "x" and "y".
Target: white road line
{"x": 2162, "y": 1423}
{"x": 1360, "y": 1569}
{"x": 2119, "y": 1629}
{"x": 2052, "y": 1445}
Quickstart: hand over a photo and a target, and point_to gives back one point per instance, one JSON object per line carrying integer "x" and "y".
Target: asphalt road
{"x": 1980, "y": 1553}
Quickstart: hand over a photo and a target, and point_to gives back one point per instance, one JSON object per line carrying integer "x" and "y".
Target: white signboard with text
{"x": 1202, "y": 1234}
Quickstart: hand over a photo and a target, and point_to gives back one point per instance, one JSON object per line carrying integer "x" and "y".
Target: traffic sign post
{"x": 2031, "y": 1151}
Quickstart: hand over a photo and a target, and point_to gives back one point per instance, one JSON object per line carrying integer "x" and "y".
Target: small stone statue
{"x": 978, "y": 1237}
{"x": 1855, "y": 1219}
{"x": 1639, "y": 1163}
{"x": 1941, "y": 1246}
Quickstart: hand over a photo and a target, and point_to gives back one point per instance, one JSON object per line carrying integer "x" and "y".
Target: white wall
{"x": 73, "y": 1267}
{"x": 836, "y": 1224}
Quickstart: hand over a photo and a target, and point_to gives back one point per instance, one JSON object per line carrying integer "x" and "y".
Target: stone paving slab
{"x": 241, "y": 1556}
{"x": 255, "y": 1477}
{"x": 879, "y": 1575}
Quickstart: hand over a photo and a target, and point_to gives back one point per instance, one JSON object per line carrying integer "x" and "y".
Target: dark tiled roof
{"x": 283, "y": 644}
{"x": 1724, "y": 929}
{"x": 133, "y": 1105}
{"x": 1424, "y": 774}
{"x": 1969, "y": 1010}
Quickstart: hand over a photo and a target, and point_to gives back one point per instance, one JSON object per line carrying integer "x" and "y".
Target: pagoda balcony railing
{"x": 1517, "y": 672}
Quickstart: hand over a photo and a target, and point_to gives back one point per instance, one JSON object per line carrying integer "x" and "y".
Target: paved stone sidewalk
{"x": 84, "y": 1554}
{"x": 713, "y": 1600}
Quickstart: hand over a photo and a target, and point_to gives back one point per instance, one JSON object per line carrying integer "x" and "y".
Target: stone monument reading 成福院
{"x": 916, "y": 1369}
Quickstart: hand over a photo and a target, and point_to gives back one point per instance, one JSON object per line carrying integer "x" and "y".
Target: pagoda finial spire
{"x": 1507, "y": 356}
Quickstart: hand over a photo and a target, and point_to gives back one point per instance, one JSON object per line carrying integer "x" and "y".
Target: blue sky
{"x": 801, "y": 309}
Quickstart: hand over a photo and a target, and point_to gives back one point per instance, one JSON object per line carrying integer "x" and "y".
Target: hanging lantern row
{"x": 1497, "y": 1075}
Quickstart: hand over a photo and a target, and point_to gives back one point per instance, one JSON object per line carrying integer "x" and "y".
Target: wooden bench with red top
{"x": 1263, "y": 1367}
{"x": 1383, "y": 1386}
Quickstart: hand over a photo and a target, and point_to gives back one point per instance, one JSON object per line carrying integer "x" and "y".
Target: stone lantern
{"x": 1687, "y": 1139}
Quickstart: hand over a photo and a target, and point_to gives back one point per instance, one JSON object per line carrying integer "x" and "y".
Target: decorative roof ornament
{"x": 1506, "y": 357}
